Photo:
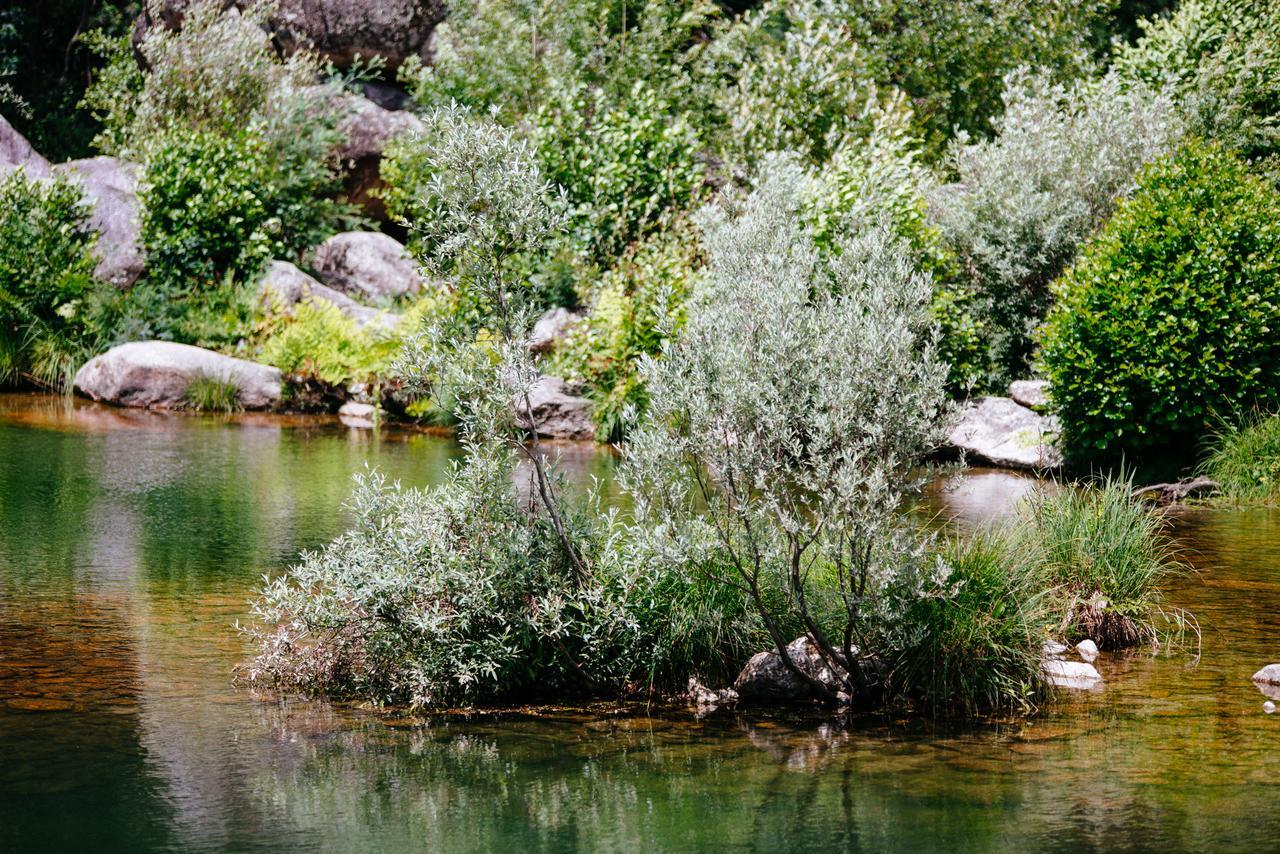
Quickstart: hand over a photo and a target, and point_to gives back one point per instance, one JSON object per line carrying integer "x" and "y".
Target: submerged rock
{"x": 551, "y": 328}
{"x": 367, "y": 265}
{"x": 157, "y": 375}
{"x": 1070, "y": 674}
{"x": 766, "y": 677}
{"x": 110, "y": 187}
{"x": 558, "y": 412}
{"x": 1033, "y": 394}
{"x": 283, "y": 286}
{"x": 17, "y": 153}
{"x": 1001, "y": 432}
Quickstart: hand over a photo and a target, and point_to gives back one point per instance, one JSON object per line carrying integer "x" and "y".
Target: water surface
{"x": 130, "y": 542}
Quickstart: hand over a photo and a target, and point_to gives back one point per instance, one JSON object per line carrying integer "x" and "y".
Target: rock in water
{"x": 157, "y": 374}
{"x": 766, "y": 678}
{"x": 1070, "y": 674}
{"x": 551, "y": 328}
{"x": 1003, "y": 433}
{"x": 1269, "y": 707}
{"x": 111, "y": 186}
{"x": 1088, "y": 649}
{"x": 367, "y": 265}
{"x": 703, "y": 697}
{"x": 558, "y": 413}
{"x": 361, "y": 415}
{"x": 16, "y": 152}
{"x": 1269, "y": 675}
{"x": 338, "y": 30}
{"x": 1033, "y": 394}
{"x": 283, "y": 286}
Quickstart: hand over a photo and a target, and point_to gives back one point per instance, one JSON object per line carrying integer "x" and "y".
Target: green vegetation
{"x": 49, "y": 301}
{"x": 1244, "y": 460}
{"x": 1166, "y": 322}
{"x": 213, "y": 394}
{"x": 1106, "y": 554}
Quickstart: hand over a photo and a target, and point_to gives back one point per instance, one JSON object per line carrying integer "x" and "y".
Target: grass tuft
{"x": 1245, "y": 460}
{"x": 212, "y": 394}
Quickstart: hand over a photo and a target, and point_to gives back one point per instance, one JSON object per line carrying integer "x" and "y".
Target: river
{"x": 130, "y": 543}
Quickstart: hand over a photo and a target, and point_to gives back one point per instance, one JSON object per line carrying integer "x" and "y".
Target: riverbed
{"x": 131, "y": 542}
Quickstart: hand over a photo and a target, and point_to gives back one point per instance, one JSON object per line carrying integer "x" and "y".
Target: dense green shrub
{"x": 1025, "y": 200}
{"x": 237, "y": 148}
{"x": 1168, "y": 317}
{"x": 50, "y": 307}
{"x": 317, "y": 340}
{"x": 1244, "y": 459}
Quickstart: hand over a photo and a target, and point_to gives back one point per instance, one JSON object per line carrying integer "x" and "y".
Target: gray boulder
{"x": 708, "y": 698}
{"x": 1003, "y": 433}
{"x": 367, "y": 265}
{"x": 369, "y": 128}
{"x": 558, "y": 412}
{"x": 1033, "y": 394}
{"x": 16, "y": 152}
{"x": 1070, "y": 674}
{"x": 550, "y": 328}
{"x": 338, "y": 30}
{"x": 110, "y": 186}
{"x": 766, "y": 678}
{"x": 1269, "y": 675}
{"x": 283, "y": 286}
{"x": 157, "y": 374}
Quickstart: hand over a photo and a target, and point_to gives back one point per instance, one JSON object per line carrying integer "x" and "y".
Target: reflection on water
{"x": 129, "y": 543}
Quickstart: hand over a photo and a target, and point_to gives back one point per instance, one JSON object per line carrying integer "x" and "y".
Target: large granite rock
{"x": 110, "y": 186}
{"x": 283, "y": 286}
{"x": 367, "y": 265}
{"x": 369, "y": 129}
{"x": 766, "y": 678}
{"x": 157, "y": 374}
{"x": 998, "y": 431}
{"x": 558, "y": 413}
{"x": 16, "y": 152}
{"x": 553, "y": 326}
{"x": 338, "y": 30}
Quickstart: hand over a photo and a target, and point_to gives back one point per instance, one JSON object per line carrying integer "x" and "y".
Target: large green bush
{"x": 1170, "y": 316}
{"x": 48, "y": 296}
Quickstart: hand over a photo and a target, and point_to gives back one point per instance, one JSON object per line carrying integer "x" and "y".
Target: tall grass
{"x": 1245, "y": 460}
{"x": 212, "y": 394}
{"x": 1106, "y": 554}
{"x": 976, "y": 646}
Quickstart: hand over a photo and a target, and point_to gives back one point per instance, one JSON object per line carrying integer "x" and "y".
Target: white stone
{"x": 359, "y": 415}
{"x": 1053, "y": 648}
{"x": 1268, "y": 707}
{"x": 1269, "y": 675}
{"x": 157, "y": 374}
{"x": 1070, "y": 674}
{"x": 1003, "y": 433}
{"x": 1088, "y": 649}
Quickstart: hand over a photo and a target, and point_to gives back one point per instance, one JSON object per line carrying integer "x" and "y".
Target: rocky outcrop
{"x": 558, "y": 412}
{"x": 110, "y": 187}
{"x": 998, "y": 431}
{"x": 369, "y": 128}
{"x": 766, "y": 677}
{"x": 283, "y": 286}
{"x": 16, "y": 152}
{"x": 367, "y": 265}
{"x": 1070, "y": 674}
{"x": 157, "y": 375}
{"x": 551, "y": 328}
{"x": 1033, "y": 394}
{"x": 338, "y": 30}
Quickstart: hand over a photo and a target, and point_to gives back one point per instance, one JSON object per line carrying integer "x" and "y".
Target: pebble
{"x": 1268, "y": 707}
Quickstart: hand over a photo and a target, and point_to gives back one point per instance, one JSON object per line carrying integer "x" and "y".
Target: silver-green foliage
{"x": 1024, "y": 201}
{"x": 785, "y": 424}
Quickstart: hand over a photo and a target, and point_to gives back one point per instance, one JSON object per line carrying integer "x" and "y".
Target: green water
{"x": 129, "y": 543}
